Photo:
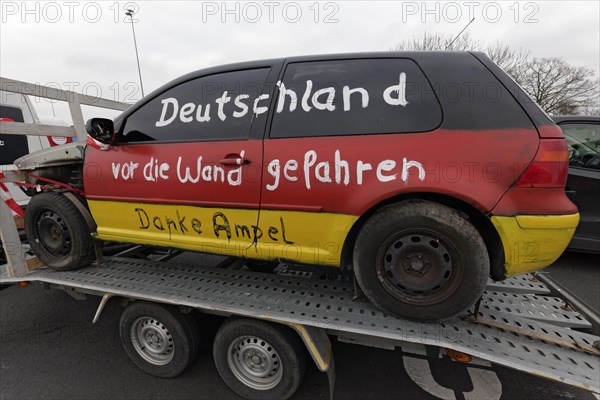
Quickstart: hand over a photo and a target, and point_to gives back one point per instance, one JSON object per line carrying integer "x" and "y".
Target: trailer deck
{"x": 519, "y": 323}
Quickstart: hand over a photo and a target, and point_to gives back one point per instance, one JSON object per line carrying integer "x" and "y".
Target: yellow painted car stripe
{"x": 530, "y": 242}
{"x": 533, "y": 242}
{"x": 548, "y": 221}
{"x": 305, "y": 237}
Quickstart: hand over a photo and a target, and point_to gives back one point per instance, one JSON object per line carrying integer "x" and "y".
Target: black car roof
{"x": 461, "y": 113}
{"x": 314, "y": 57}
{"x": 281, "y": 60}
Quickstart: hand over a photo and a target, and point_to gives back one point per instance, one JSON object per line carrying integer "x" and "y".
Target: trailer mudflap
{"x": 318, "y": 345}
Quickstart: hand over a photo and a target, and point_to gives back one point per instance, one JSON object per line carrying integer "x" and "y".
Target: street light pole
{"x": 129, "y": 13}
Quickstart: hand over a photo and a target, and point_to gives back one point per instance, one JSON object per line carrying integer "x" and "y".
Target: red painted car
{"x": 424, "y": 172}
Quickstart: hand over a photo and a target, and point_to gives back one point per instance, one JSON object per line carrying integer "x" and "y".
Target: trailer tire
{"x": 259, "y": 360}
{"x": 159, "y": 339}
{"x": 58, "y": 233}
{"x": 421, "y": 260}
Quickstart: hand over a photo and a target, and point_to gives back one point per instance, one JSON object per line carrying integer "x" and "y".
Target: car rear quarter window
{"x": 215, "y": 107}
{"x": 354, "y": 97}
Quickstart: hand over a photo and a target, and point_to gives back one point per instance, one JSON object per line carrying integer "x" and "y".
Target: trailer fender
{"x": 101, "y": 306}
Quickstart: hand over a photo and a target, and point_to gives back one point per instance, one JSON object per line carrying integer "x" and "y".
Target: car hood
{"x": 60, "y": 155}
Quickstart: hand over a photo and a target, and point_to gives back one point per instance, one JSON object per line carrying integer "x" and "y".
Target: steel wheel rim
{"x": 419, "y": 267}
{"x": 152, "y": 341}
{"x": 53, "y": 233}
{"x": 254, "y": 362}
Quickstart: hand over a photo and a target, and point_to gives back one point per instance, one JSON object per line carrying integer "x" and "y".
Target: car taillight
{"x": 550, "y": 166}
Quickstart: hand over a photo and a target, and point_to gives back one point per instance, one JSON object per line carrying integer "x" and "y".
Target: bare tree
{"x": 511, "y": 61}
{"x": 437, "y": 41}
{"x": 561, "y": 88}
{"x": 508, "y": 59}
{"x": 557, "y": 86}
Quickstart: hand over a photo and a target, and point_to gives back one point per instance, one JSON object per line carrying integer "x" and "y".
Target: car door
{"x": 330, "y": 149}
{"x": 185, "y": 167}
{"x": 583, "y": 182}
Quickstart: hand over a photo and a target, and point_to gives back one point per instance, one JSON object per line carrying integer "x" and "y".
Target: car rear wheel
{"x": 57, "y": 232}
{"x": 421, "y": 260}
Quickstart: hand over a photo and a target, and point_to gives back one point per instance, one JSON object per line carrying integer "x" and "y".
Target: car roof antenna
{"x": 460, "y": 33}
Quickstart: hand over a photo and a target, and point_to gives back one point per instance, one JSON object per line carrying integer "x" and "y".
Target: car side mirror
{"x": 101, "y": 129}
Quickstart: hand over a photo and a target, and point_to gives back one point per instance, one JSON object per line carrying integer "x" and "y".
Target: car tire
{"x": 57, "y": 232}
{"x": 159, "y": 339}
{"x": 421, "y": 260}
{"x": 259, "y": 360}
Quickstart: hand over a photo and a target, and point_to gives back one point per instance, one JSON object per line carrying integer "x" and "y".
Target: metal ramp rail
{"x": 519, "y": 323}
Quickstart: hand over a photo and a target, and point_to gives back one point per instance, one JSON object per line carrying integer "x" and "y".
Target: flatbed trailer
{"x": 527, "y": 323}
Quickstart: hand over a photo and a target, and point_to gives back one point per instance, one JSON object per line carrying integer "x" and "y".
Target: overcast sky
{"x": 88, "y": 46}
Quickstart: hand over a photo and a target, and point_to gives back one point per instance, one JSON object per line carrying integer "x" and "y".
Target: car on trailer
{"x": 396, "y": 165}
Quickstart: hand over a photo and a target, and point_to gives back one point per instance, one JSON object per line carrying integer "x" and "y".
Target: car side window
{"x": 583, "y": 140}
{"x": 354, "y": 97}
{"x": 215, "y": 107}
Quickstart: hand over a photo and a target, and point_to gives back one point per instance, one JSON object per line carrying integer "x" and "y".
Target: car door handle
{"x": 234, "y": 161}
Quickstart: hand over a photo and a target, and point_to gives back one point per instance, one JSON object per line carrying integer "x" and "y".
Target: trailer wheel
{"x": 160, "y": 340}
{"x": 421, "y": 260}
{"x": 58, "y": 233}
{"x": 259, "y": 360}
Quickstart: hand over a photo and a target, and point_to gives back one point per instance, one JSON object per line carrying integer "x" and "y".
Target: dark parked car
{"x": 583, "y": 184}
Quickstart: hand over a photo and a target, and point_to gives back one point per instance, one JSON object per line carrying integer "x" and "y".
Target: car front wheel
{"x": 57, "y": 232}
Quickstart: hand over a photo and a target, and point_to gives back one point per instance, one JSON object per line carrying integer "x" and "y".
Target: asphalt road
{"x": 580, "y": 274}
{"x": 50, "y": 350}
